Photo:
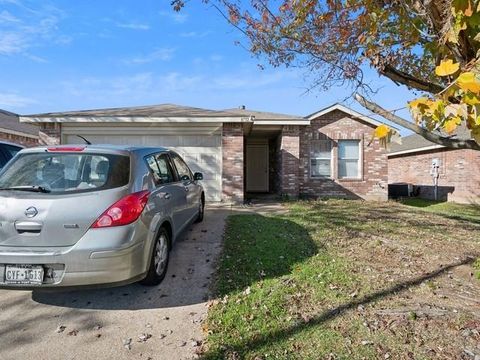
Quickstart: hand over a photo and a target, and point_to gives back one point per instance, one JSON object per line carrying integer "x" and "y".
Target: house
{"x": 459, "y": 170}
{"x": 12, "y": 130}
{"x": 242, "y": 151}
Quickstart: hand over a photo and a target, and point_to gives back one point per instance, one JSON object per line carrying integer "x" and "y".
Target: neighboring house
{"x": 12, "y": 130}
{"x": 242, "y": 151}
{"x": 459, "y": 170}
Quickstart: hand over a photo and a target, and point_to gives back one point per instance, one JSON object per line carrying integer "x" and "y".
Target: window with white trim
{"x": 321, "y": 158}
{"x": 349, "y": 159}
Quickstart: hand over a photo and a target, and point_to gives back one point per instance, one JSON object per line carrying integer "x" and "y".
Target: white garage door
{"x": 200, "y": 145}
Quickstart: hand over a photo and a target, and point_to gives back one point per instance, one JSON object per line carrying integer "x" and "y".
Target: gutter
{"x": 411, "y": 151}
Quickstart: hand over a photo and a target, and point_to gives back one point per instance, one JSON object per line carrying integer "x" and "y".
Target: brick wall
{"x": 337, "y": 125}
{"x": 289, "y": 160}
{"x": 232, "y": 168}
{"x": 50, "y": 133}
{"x": 18, "y": 139}
{"x": 459, "y": 173}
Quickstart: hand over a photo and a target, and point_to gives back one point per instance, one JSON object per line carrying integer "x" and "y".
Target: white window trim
{"x": 359, "y": 161}
{"x": 310, "y": 158}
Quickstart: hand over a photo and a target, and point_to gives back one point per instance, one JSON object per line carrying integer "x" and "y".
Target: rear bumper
{"x": 102, "y": 256}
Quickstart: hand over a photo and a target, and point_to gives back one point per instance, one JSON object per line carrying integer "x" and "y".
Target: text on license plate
{"x": 24, "y": 274}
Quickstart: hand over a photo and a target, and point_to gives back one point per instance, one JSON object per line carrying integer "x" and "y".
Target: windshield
{"x": 67, "y": 172}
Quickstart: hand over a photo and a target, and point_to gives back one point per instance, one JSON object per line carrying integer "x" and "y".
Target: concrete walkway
{"x": 130, "y": 322}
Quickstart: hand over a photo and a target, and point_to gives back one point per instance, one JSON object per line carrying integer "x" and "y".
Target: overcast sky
{"x": 66, "y": 55}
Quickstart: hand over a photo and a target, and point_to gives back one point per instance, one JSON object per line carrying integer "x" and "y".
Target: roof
{"x": 416, "y": 143}
{"x": 9, "y": 123}
{"x": 153, "y": 113}
{"x": 166, "y": 113}
{"x": 179, "y": 113}
{"x": 162, "y": 110}
{"x": 269, "y": 118}
{"x": 346, "y": 110}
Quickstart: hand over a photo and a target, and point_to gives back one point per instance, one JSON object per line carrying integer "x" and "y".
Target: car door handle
{"x": 167, "y": 196}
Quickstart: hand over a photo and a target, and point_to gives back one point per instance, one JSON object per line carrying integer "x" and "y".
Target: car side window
{"x": 184, "y": 172}
{"x": 152, "y": 164}
{"x": 165, "y": 169}
{"x": 160, "y": 167}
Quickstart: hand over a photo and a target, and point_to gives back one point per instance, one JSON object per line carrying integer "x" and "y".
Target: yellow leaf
{"x": 381, "y": 131}
{"x": 468, "y": 82}
{"x": 420, "y": 101}
{"x": 476, "y": 134}
{"x": 447, "y": 67}
{"x": 451, "y": 125}
{"x": 433, "y": 108}
{"x": 471, "y": 99}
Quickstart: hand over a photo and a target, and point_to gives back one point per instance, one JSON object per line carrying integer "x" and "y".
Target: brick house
{"x": 241, "y": 151}
{"x": 459, "y": 170}
{"x": 12, "y": 130}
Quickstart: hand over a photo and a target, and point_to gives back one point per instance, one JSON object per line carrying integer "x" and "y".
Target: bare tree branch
{"x": 435, "y": 138}
{"x": 408, "y": 80}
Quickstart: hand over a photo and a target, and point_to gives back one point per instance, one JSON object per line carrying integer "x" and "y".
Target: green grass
{"x": 288, "y": 275}
{"x": 287, "y": 289}
{"x": 465, "y": 212}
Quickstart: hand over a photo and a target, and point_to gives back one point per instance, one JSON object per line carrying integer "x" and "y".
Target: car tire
{"x": 159, "y": 260}
{"x": 201, "y": 210}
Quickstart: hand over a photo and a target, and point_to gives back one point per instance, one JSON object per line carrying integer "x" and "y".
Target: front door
{"x": 257, "y": 168}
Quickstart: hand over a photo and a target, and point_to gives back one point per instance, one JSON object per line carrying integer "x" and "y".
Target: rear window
{"x": 11, "y": 150}
{"x": 67, "y": 172}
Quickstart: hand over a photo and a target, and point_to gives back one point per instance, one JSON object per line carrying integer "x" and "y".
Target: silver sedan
{"x": 93, "y": 215}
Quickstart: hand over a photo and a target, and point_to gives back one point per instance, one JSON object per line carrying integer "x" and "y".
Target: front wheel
{"x": 159, "y": 260}
{"x": 201, "y": 210}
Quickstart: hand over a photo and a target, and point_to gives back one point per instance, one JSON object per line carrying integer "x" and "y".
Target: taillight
{"x": 124, "y": 211}
{"x": 66, "y": 148}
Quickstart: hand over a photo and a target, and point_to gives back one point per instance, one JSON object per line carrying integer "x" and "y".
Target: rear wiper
{"x": 32, "y": 188}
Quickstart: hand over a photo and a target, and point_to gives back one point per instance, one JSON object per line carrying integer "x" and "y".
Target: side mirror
{"x": 198, "y": 176}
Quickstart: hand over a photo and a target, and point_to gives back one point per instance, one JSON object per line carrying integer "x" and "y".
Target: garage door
{"x": 199, "y": 145}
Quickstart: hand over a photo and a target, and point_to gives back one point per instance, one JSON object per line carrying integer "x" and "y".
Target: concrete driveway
{"x": 130, "y": 322}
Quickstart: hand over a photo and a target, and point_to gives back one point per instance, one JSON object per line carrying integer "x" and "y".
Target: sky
{"x": 75, "y": 55}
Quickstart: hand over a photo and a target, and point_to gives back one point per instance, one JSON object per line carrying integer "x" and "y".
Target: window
{"x": 348, "y": 159}
{"x": 67, "y": 172}
{"x": 320, "y": 158}
{"x": 11, "y": 150}
{"x": 184, "y": 172}
{"x": 161, "y": 170}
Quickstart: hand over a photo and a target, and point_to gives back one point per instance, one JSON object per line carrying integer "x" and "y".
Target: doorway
{"x": 257, "y": 171}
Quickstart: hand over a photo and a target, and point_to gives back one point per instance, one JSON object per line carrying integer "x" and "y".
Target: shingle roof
{"x": 417, "y": 142}
{"x": 10, "y": 121}
{"x": 410, "y": 142}
{"x": 263, "y": 115}
{"x": 163, "y": 110}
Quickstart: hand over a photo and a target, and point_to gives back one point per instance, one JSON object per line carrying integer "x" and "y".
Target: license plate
{"x": 24, "y": 274}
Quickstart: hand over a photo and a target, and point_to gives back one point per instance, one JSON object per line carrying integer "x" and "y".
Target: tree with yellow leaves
{"x": 431, "y": 46}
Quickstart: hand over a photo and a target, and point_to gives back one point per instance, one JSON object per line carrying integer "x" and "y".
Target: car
{"x": 93, "y": 215}
{"x": 8, "y": 151}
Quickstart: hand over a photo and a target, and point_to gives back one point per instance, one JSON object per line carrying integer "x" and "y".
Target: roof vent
{"x": 242, "y": 107}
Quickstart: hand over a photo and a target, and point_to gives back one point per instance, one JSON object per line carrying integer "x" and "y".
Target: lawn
{"x": 452, "y": 210}
{"x": 348, "y": 280}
